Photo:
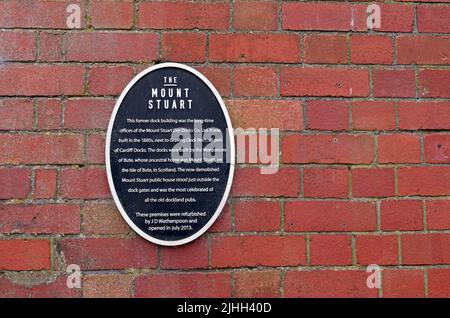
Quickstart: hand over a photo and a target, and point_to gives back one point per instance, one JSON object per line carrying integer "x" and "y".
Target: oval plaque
{"x": 170, "y": 154}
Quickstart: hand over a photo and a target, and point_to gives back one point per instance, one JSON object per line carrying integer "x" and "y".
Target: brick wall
{"x": 365, "y": 147}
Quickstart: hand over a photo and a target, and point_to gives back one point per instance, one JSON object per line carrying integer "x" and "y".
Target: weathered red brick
{"x": 330, "y": 249}
{"x": 415, "y": 49}
{"x": 401, "y": 215}
{"x": 328, "y": 283}
{"x": 394, "y": 83}
{"x": 437, "y": 148}
{"x": 325, "y": 49}
{"x": 373, "y": 182}
{"x": 255, "y": 81}
{"x": 439, "y": 282}
{"x": 42, "y": 80}
{"x": 424, "y": 115}
{"x": 329, "y": 216}
{"x": 21, "y": 255}
{"x": 433, "y": 19}
{"x": 425, "y": 249}
{"x": 179, "y": 285}
{"x": 388, "y": 146}
{"x": 376, "y": 249}
{"x": 16, "y": 114}
{"x": 295, "y": 81}
{"x": 85, "y": 183}
{"x": 257, "y": 284}
{"x": 220, "y": 77}
{"x": 109, "y": 80}
{"x": 371, "y": 49}
{"x": 325, "y": 182}
{"x": 108, "y": 286}
{"x": 96, "y": 253}
{"x": 50, "y": 46}
{"x": 17, "y": 46}
{"x": 88, "y": 113}
{"x": 16, "y": 183}
{"x": 95, "y": 148}
{"x": 438, "y": 214}
{"x": 252, "y": 251}
{"x": 373, "y": 115}
{"x": 403, "y": 283}
{"x": 424, "y": 181}
{"x": 184, "y": 47}
{"x": 254, "y": 48}
{"x": 327, "y": 115}
{"x": 327, "y": 149}
{"x": 41, "y": 149}
{"x": 435, "y": 83}
{"x": 111, "y": 14}
{"x": 49, "y": 113}
{"x": 103, "y": 218}
{"x": 266, "y": 212}
{"x": 282, "y": 114}
{"x": 45, "y": 183}
{"x": 183, "y": 15}
{"x": 257, "y": 15}
{"x": 189, "y": 256}
{"x": 111, "y": 47}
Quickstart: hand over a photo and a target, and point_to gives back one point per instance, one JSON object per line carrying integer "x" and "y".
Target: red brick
{"x": 8, "y": 289}
{"x": 371, "y": 115}
{"x": 88, "y": 113}
{"x": 17, "y": 46}
{"x": 256, "y": 15}
{"x": 329, "y": 216}
{"x": 266, "y": 212}
{"x": 95, "y": 149}
{"x": 108, "y": 286}
{"x": 394, "y": 83}
{"x": 330, "y": 250}
{"x": 49, "y": 14}
{"x": 426, "y": 249}
{"x": 50, "y": 46}
{"x": 43, "y": 80}
{"x": 109, "y": 80}
{"x": 435, "y": 83}
{"x": 373, "y": 182}
{"x": 325, "y": 49}
{"x": 317, "y": 16}
{"x": 189, "y": 256}
{"x": 424, "y": 181}
{"x": 395, "y": 18}
{"x": 16, "y": 183}
{"x": 20, "y": 255}
{"x": 438, "y": 214}
{"x": 328, "y": 283}
{"x": 220, "y": 77}
{"x": 40, "y": 219}
{"x": 45, "y": 183}
{"x": 184, "y": 47}
{"x": 49, "y": 113}
{"x": 389, "y": 145}
{"x": 376, "y": 249}
{"x": 86, "y": 183}
{"x": 433, "y": 19}
{"x": 401, "y": 215}
{"x": 252, "y": 251}
{"x": 183, "y": 15}
{"x": 103, "y": 218}
{"x": 56, "y": 288}
{"x": 111, "y": 14}
{"x": 371, "y": 49}
{"x": 265, "y": 48}
{"x": 16, "y": 114}
{"x": 327, "y": 149}
{"x": 437, "y": 148}
{"x": 255, "y": 81}
{"x": 96, "y": 253}
{"x": 415, "y": 49}
{"x": 403, "y": 283}
{"x": 45, "y": 149}
{"x": 180, "y": 285}
{"x": 111, "y": 47}
{"x": 324, "y": 82}
{"x": 282, "y": 114}
{"x": 325, "y": 183}
{"x": 327, "y": 115}
{"x": 250, "y": 182}
{"x": 424, "y": 115}
{"x": 223, "y": 222}
{"x": 439, "y": 282}
{"x": 257, "y": 284}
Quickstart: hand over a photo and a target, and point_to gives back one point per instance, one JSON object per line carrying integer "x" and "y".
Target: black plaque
{"x": 170, "y": 154}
